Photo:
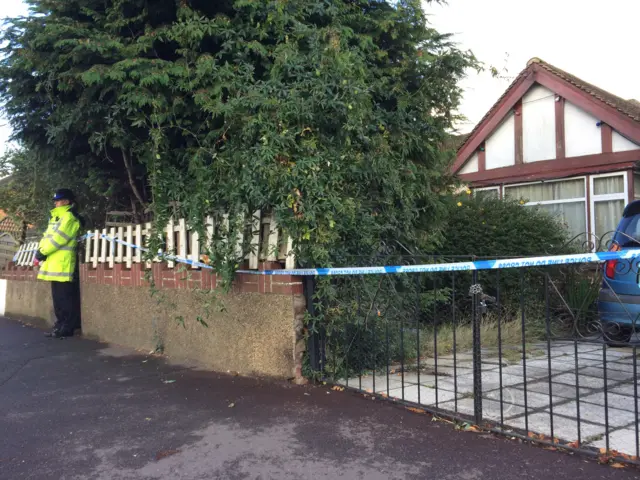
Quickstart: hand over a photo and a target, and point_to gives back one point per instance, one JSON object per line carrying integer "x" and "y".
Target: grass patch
{"x": 593, "y": 438}
{"x": 493, "y": 332}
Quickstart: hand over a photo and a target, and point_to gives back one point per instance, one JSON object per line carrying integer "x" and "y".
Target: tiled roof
{"x": 630, "y": 108}
{"x": 8, "y": 225}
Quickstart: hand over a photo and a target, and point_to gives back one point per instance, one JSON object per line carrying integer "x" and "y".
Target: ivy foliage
{"x": 330, "y": 114}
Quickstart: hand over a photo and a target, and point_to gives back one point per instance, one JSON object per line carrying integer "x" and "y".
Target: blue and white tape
{"x": 427, "y": 268}
{"x": 458, "y": 266}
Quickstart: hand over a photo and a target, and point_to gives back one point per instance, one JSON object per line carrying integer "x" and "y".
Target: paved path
{"x": 76, "y": 409}
{"x": 553, "y": 390}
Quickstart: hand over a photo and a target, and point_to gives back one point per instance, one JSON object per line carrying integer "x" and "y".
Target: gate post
{"x": 315, "y": 341}
{"x": 477, "y": 352}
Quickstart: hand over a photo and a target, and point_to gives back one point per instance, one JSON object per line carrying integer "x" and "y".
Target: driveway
{"x": 561, "y": 393}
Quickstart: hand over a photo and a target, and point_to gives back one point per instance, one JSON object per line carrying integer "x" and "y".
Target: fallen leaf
{"x": 472, "y": 428}
{"x": 416, "y": 410}
{"x": 148, "y": 419}
{"x": 165, "y": 453}
{"x": 231, "y": 405}
{"x": 603, "y": 450}
{"x": 552, "y": 449}
{"x": 337, "y": 389}
{"x": 618, "y": 465}
{"x": 575, "y": 444}
{"x": 307, "y": 394}
{"x": 531, "y": 435}
{"x": 145, "y": 361}
{"x": 169, "y": 381}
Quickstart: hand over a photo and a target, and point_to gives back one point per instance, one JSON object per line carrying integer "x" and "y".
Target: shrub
{"x": 493, "y": 228}
{"x": 487, "y": 227}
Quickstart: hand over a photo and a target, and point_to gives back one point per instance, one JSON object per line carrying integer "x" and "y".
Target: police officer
{"x": 57, "y": 254}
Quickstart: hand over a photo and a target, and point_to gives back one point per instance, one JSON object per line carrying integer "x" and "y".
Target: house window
{"x": 490, "y": 192}
{"x": 564, "y": 199}
{"x": 608, "y": 199}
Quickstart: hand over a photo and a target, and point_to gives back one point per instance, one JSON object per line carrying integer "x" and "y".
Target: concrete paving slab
{"x": 625, "y": 365}
{"x": 490, "y": 408}
{"x": 615, "y": 375}
{"x": 490, "y": 381}
{"x": 421, "y": 395}
{"x": 624, "y": 441}
{"x": 620, "y": 352}
{"x": 563, "y": 428}
{"x": 614, "y": 400}
{"x": 368, "y": 383}
{"x": 568, "y": 348}
{"x": 516, "y": 396}
{"x": 533, "y": 373}
{"x": 494, "y": 379}
{"x": 570, "y": 361}
{"x": 629, "y": 389}
{"x": 594, "y": 413}
{"x": 447, "y": 370}
{"x": 462, "y": 386}
{"x": 541, "y": 364}
{"x": 558, "y": 389}
{"x": 583, "y": 380}
{"x": 447, "y": 361}
{"x": 612, "y": 355}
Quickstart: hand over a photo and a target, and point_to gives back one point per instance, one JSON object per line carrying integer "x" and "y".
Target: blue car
{"x": 619, "y": 298}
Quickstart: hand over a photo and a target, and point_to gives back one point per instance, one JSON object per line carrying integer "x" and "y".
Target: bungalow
{"x": 558, "y": 143}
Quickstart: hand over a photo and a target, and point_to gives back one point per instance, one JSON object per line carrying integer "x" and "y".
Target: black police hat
{"x": 64, "y": 194}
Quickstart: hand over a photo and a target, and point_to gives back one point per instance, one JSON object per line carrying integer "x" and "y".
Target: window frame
{"x": 555, "y": 202}
{"x": 486, "y": 189}
{"x": 606, "y": 197}
{"x": 636, "y": 191}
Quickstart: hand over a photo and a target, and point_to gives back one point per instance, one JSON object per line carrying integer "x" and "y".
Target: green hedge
{"x": 500, "y": 228}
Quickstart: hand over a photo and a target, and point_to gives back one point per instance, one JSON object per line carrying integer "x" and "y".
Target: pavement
{"x": 77, "y": 409}
{"x": 557, "y": 381}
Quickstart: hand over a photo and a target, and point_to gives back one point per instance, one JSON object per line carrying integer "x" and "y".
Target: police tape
{"x": 497, "y": 264}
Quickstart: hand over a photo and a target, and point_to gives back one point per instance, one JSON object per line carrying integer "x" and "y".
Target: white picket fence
{"x": 25, "y": 255}
{"x": 267, "y": 244}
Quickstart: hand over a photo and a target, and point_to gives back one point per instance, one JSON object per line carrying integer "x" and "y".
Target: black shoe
{"x": 57, "y": 334}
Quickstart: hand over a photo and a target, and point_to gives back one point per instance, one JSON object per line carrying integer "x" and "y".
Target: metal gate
{"x": 545, "y": 353}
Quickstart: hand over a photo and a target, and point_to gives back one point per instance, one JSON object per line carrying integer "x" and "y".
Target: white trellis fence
{"x": 267, "y": 243}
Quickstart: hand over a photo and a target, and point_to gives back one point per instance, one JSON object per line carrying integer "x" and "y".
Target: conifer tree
{"x": 331, "y": 114}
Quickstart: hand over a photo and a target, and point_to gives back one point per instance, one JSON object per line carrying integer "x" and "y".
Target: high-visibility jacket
{"x": 59, "y": 244}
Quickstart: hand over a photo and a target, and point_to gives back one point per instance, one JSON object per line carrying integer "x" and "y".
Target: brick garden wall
{"x": 260, "y": 331}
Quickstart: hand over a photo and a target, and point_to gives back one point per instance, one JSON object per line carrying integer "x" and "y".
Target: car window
{"x": 628, "y": 232}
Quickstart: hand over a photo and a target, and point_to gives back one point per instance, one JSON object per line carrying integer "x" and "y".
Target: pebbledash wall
{"x": 256, "y": 329}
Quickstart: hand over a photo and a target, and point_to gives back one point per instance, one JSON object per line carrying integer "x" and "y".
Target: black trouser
{"x": 66, "y": 305}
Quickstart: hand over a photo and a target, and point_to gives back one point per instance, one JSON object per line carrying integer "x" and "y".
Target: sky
{"x": 591, "y": 39}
